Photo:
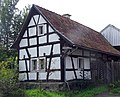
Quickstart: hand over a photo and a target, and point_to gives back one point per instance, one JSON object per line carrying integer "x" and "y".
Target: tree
{"x": 7, "y": 13}
{"x": 18, "y": 21}
{"x": 9, "y": 79}
{"x": 11, "y": 20}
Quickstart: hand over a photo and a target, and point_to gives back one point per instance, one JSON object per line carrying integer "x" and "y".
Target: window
{"x": 80, "y": 63}
{"x": 38, "y": 64}
{"x": 40, "y": 30}
{"x": 34, "y": 65}
{"x": 42, "y": 64}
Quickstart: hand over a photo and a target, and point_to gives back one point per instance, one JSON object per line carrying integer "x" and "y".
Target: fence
{"x": 105, "y": 72}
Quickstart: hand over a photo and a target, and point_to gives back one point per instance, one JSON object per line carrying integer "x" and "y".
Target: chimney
{"x": 66, "y": 15}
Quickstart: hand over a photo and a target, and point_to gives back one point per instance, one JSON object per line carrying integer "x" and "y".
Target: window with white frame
{"x": 38, "y": 64}
{"x": 42, "y": 64}
{"x": 40, "y": 30}
{"x": 80, "y": 64}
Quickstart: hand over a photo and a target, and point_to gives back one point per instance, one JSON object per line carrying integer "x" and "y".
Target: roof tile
{"x": 79, "y": 34}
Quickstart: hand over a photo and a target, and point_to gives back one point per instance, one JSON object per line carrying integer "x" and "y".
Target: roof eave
{"x": 96, "y": 50}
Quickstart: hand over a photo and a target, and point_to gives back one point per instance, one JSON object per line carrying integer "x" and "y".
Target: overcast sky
{"x": 95, "y": 14}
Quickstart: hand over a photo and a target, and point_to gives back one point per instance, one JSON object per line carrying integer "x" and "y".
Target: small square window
{"x": 40, "y": 30}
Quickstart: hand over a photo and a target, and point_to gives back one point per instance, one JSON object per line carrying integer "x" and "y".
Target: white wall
{"x": 22, "y": 53}
{"x": 68, "y": 64}
{"x": 23, "y": 43}
{"x": 55, "y": 63}
{"x": 44, "y": 49}
{"x": 33, "y": 41}
{"x": 31, "y": 22}
{"x": 33, "y": 51}
{"x": 25, "y": 34}
{"x": 36, "y": 17}
{"x": 42, "y": 39}
{"x": 42, "y": 20}
{"x": 53, "y": 37}
{"x": 22, "y": 65}
{"x": 32, "y": 31}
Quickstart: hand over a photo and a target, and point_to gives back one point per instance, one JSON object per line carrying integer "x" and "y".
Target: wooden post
{"x": 37, "y": 76}
{"x": 26, "y": 68}
{"x": 108, "y": 73}
{"x": 83, "y": 65}
{"x": 48, "y": 71}
{"x": 112, "y": 67}
{"x": 73, "y": 68}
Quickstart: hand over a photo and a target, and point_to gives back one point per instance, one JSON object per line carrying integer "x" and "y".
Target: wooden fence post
{"x": 112, "y": 67}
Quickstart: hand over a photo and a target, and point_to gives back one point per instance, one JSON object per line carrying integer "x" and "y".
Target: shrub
{"x": 115, "y": 87}
{"x": 115, "y": 84}
{"x": 7, "y": 81}
{"x": 5, "y": 54}
{"x": 18, "y": 93}
{"x": 115, "y": 91}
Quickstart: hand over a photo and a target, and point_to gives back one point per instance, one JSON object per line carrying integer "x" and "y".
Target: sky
{"x": 96, "y": 14}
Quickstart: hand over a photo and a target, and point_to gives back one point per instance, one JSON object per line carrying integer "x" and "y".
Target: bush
{"x": 115, "y": 87}
{"x": 115, "y": 91}
{"x": 6, "y": 54}
{"x": 115, "y": 84}
{"x": 18, "y": 93}
{"x": 7, "y": 81}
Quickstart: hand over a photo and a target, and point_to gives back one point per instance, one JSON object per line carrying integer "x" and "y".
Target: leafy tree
{"x": 5, "y": 54}
{"x": 18, "y": 21}
{"x": 11, "y": 20}
{"x": 7, "y": 13}
{"x": 8, "y": 78}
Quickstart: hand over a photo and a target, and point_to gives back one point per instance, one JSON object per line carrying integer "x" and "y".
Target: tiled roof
{"x": 79, "y": 34}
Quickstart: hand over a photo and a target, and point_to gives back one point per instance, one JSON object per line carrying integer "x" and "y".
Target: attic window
{"x": 40, "y": 30}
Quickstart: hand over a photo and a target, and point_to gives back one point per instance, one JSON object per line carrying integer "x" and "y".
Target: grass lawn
{"x": 89, "y": 92}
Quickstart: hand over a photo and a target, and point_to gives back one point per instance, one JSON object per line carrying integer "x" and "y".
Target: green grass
{"x": 89, "y": 92}
{"x": 43, "y": 93}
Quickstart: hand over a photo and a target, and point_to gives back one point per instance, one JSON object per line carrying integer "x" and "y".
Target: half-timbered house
{"x": 52, "y": 47}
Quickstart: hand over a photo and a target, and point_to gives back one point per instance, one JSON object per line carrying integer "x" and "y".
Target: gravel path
{"x": 106, "y": 94}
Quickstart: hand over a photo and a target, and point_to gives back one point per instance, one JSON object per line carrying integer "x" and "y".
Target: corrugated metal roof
{"x": 112, "y": 34}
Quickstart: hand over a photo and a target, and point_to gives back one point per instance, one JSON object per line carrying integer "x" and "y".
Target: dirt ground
{"x": 107, "y": 94}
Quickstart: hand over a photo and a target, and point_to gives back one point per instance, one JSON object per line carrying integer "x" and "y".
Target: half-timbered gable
{"x": 54, "y": 47}
{"x": 39, "y": 47}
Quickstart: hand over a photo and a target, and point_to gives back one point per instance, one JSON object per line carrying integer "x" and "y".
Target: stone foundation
{"x": 54, "y": 86}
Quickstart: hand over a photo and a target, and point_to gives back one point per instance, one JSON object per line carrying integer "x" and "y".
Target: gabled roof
{"x": 76, "y": 33}
{"x": 111, "y": 26}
